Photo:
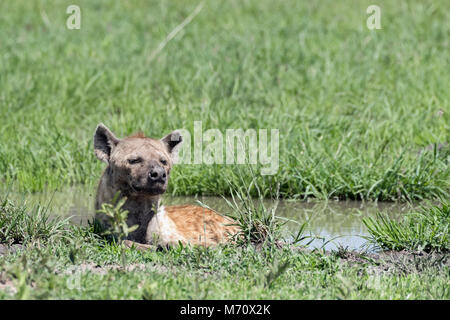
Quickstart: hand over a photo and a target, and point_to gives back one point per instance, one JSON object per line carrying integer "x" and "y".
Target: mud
{"x": 395, "y": 261}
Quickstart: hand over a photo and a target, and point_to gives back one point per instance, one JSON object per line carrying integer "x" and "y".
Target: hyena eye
{"x": 163, "y": 162}
{"x": 134, "y": 160}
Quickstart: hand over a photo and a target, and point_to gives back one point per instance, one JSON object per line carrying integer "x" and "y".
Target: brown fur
{"x": 201, "y": 226}
{"x": 130, "y": 177}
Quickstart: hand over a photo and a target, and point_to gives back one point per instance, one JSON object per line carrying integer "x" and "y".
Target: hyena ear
{"x": 104, "y": 142}
{"x": 173, "y": 142}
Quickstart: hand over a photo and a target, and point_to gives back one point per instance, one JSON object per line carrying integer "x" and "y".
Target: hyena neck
{"x": 142, "y": 205}
{"x": 141, "y": 208}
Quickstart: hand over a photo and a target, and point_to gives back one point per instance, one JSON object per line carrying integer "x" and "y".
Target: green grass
{"x": 427, "y": 230}
{"x": 362, "y": 115}
{"x": 354, "y": 107}
{"x": 94, "y": 272}
{"x": 19, "y": 225}
{"x": 81, "y": 265}
{"x": 215, "y": 274}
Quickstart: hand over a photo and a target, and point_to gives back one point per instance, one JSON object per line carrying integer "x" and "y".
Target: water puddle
{"x": 333, "y": 223}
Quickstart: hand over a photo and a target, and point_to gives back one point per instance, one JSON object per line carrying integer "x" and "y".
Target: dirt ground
{"x": 396, "y": 261}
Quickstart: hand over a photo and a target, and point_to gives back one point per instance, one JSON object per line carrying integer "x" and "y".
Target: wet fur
{"x": 157, "y": 225}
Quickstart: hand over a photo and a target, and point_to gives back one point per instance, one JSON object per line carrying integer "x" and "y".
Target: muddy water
{"x": 331, "y": 223}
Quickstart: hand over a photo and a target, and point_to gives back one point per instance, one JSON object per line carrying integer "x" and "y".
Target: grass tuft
{"x": 258, "y": 221}
{"x": 18, "y": 225}
{"x": 426, "y": 230}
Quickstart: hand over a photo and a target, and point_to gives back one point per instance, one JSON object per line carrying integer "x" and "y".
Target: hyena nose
{"x": 157, "y": 174}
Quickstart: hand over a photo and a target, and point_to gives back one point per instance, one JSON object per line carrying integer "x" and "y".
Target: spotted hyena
{"x": 138, "y": 168}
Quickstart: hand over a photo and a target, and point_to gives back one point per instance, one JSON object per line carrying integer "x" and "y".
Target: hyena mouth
{"x": 152, "y": 190}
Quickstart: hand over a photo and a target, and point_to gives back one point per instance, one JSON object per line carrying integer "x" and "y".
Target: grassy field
{"x": 361, "y": 112}
{"x": 213, "y": 274}
{"x": 58, "y": 260}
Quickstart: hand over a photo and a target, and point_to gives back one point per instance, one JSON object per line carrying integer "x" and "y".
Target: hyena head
{"x": 137, "y": 165}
